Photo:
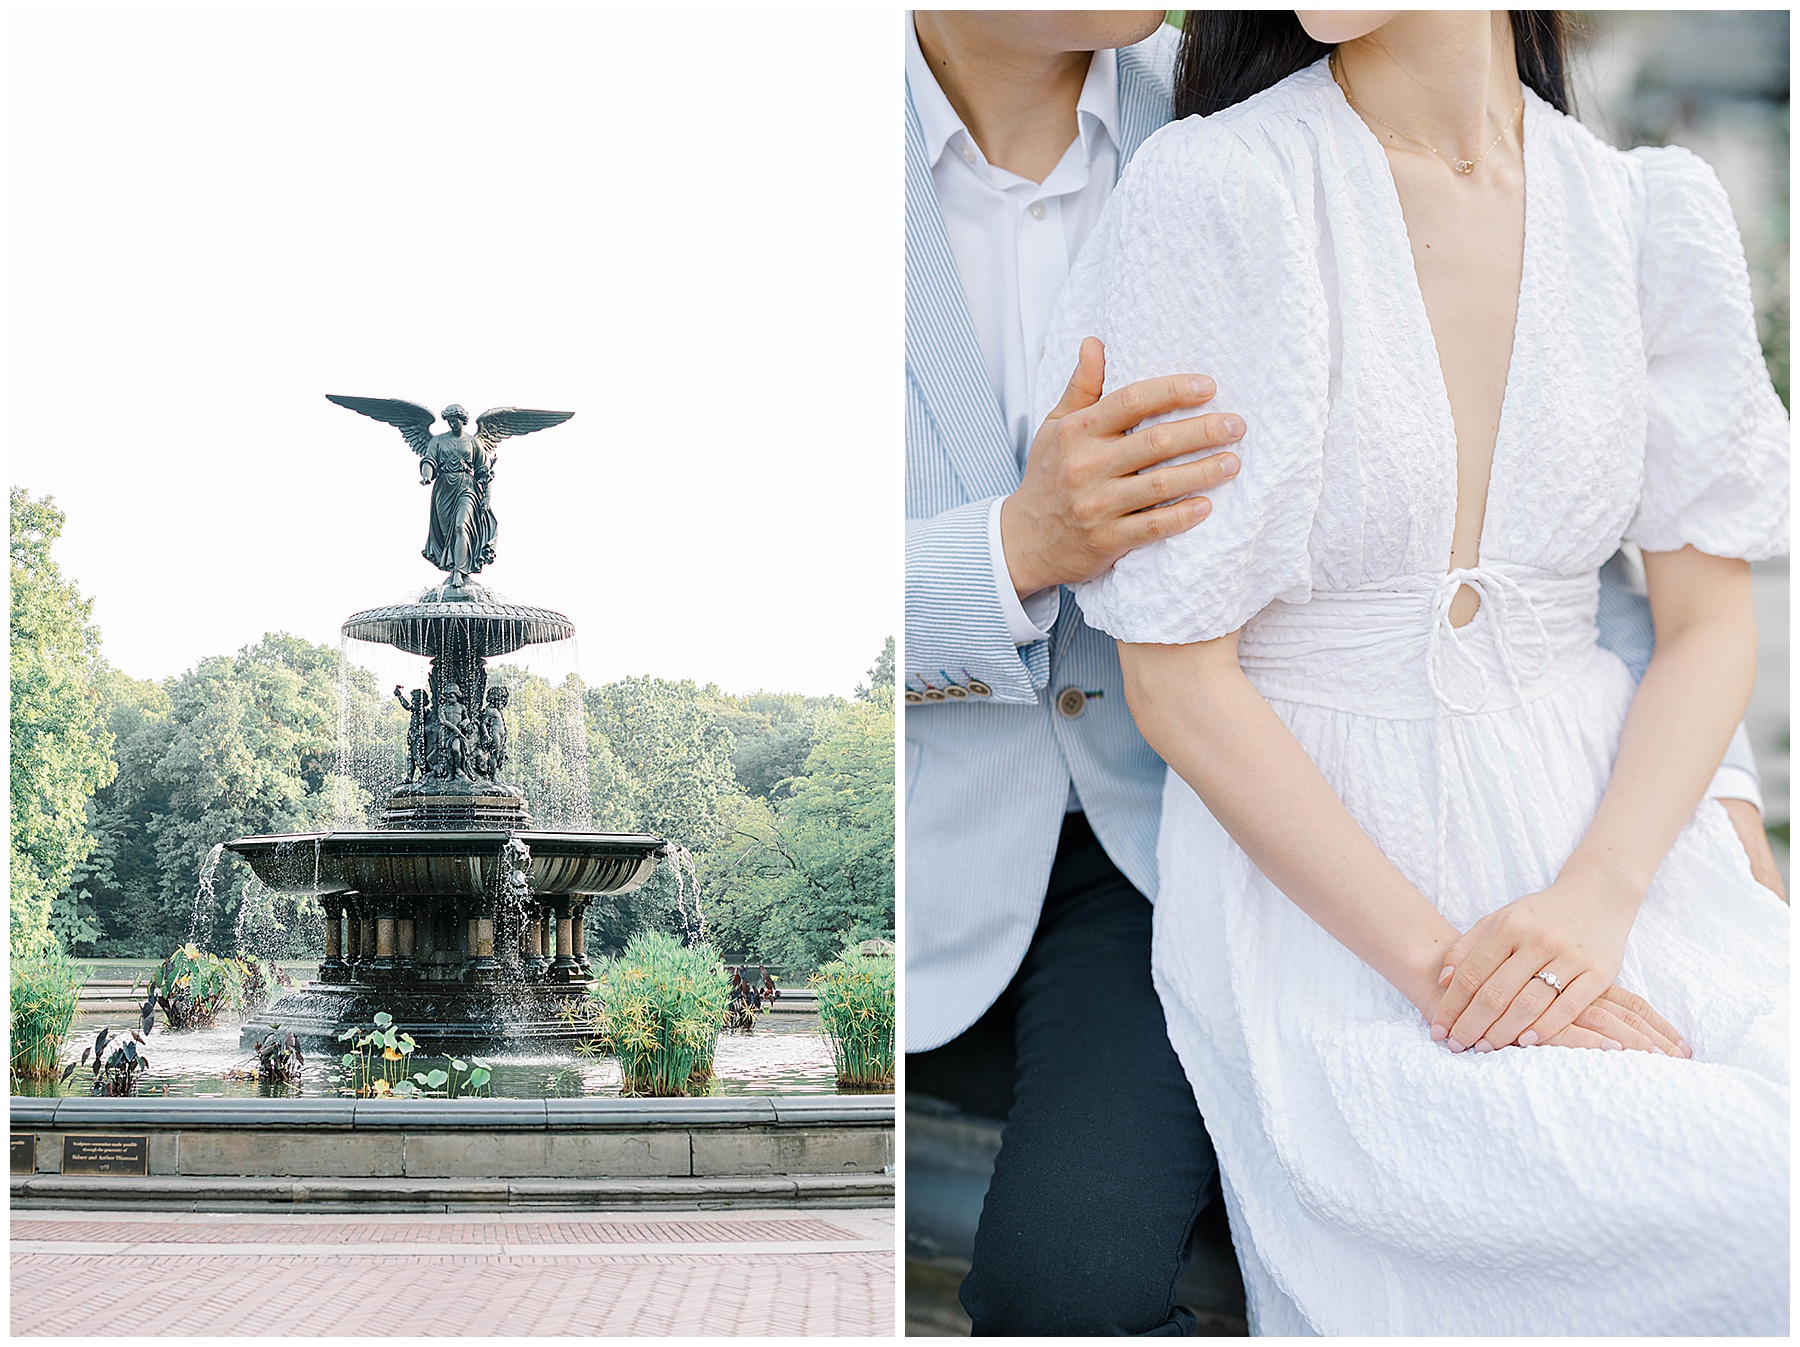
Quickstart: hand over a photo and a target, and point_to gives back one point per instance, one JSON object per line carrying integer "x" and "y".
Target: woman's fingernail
{"x": 1234, "y": 425}
{"x": 1201, "y": 386}
{"x": 1455, "y": 1046}
{"x": 1528, "y": 1039}
{"x": 1613, "y": 1045}
{"x": 1686, "y": 1051}
{"x": 1439, "y": 1033}
{"x": 1445, "y": 976}
{"x": 1482, "y": 1045}
{"x": 1229, "y": 464}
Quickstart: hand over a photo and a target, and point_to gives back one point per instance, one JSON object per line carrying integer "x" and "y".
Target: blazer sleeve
{"x": 955, "y": 629}
{"x": 1202, "y": 264}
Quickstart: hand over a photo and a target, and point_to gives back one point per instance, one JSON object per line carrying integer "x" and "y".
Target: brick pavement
{"x": 715, "y": 1273}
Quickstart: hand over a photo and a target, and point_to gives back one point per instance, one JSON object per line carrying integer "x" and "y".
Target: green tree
{"x": 837, "y": 834}
{"x": 61, "y": 749}
{"x": 238, "y": 745}
{"x": 669, "y": 770}
{"x": 798, "y": 877}
{"x": 772, "y": 733}
{"x": 118, "y": 882}
{"x": 881, "y": 677}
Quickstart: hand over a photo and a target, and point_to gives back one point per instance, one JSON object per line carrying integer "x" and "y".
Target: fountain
{"x": 456, "y": 914}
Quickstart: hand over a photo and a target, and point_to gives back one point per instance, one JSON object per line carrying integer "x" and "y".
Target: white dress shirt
{"x": 1014, "y": 241}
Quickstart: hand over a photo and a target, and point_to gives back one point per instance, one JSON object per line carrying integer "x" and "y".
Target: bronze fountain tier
{"x": 456, "y": 915}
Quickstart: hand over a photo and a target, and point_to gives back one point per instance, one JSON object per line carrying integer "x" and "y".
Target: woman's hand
{"x": 1575, "y": 931}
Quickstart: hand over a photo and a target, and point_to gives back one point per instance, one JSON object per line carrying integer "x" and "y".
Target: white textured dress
{"x": 1376, "y": 1182}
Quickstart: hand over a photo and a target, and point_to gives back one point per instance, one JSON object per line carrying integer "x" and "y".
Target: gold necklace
{"x": 1463, "y": 166}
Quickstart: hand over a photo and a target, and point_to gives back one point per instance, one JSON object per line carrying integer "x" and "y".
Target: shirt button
{"x": 1071, "y": 702}
{"x": 1037, "y": 210}
{"x": 967, "y": 151}
{"x": 979, "y": 688}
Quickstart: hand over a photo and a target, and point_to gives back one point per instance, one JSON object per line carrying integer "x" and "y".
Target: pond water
{"x": 784, "y": 1054}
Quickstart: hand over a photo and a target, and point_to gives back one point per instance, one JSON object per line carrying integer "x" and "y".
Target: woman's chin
{"x": 1342, "y": 25}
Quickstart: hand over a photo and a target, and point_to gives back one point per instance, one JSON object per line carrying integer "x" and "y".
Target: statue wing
{"x": 414, "y": 421}
{"x": 499, "y": 423}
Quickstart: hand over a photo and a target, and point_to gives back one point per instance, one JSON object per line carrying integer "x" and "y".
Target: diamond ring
{"x": 1550, "y": 979}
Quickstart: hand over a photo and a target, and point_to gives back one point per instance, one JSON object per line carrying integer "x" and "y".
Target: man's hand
{"x": 1747, "y": 820}
{"x": 1083, "y": 503}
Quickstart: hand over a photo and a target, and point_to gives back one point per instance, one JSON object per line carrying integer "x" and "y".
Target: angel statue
{"x": 459, "y": 468}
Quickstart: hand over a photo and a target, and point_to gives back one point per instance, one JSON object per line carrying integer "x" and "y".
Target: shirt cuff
{"x": 1028, "y": 621}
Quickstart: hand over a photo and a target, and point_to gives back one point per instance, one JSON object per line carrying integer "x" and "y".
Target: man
{"x": 1032, "y": 802}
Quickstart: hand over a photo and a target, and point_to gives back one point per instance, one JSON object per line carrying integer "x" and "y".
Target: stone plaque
{"x": 24, "y": 1152}
{"x": 106, "y": 1155}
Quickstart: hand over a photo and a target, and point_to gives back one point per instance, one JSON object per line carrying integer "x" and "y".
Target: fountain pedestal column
{"x": 536, "y": 965}
{"x": 578, "y": 937}
{"x": 564, "y": 969}
{"x": 334, "y": 969}
{"x": 382, "y": 966}
{"x": 481, "y": 966}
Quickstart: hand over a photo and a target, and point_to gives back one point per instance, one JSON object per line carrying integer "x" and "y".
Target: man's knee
{"x": 1080, "y": 1285}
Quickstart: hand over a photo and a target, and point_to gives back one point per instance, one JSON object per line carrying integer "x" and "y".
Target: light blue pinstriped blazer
{"x": 987, "y": 779}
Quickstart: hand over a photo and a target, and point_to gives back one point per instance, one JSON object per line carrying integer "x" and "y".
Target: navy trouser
{"x": 1104, "y": 1163}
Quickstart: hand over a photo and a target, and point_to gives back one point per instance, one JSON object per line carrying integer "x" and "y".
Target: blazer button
{"x": 1071, "y": 702}
{"x": 979, "y": 688}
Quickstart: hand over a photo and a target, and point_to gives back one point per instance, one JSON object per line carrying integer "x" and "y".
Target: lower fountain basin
{"x": 467, "y": 864}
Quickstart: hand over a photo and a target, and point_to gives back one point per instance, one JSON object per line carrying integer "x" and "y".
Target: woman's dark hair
{"x": 1227, "y": 55}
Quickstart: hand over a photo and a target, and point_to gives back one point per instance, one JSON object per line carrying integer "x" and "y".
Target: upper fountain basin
{"x": 396, "y": 862}
{"x": 478, "y": 628}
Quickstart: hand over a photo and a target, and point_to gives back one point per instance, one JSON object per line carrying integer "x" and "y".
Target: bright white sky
{"x": 684, "y": 228}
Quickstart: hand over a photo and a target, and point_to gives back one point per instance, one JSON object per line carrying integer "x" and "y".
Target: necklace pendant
{"x": 1464, "y": 166}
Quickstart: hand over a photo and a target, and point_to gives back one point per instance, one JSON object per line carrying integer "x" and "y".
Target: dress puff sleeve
{"x": 1716, "y": 443}
{"x": 1200, "y": 265}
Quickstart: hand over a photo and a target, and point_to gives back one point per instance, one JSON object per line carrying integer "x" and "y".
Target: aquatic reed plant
{"x": 45, "y": 987}
{"x": 856, "y": 1011}
{"x": 662, "y": 1007}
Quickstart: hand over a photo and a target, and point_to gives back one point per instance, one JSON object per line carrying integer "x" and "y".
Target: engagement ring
{"x": 1550, "y": 978}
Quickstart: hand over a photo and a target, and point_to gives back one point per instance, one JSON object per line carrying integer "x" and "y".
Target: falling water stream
{"x": 203, "y": 891}
{"x": 681, "y": 865}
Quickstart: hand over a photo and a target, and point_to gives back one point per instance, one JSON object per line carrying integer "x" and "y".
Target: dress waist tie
{"x": 1502, "y": 596}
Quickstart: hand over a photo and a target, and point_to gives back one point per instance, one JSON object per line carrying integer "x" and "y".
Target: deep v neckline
{"x": 1420, "y": 316}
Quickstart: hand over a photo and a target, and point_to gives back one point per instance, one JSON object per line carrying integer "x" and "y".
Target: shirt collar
{"x": 1099, "y": 101}
{"x": 1098, "y": 106}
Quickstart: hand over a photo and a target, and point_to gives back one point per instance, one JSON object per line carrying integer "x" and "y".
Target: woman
{"x": 1475, "y": 348}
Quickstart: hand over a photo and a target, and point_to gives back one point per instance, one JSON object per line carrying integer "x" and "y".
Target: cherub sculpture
{"x": 454, "y": 749}
{"x": 418, "y": 754}
{"x": 490, "y": 750}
